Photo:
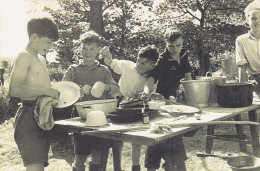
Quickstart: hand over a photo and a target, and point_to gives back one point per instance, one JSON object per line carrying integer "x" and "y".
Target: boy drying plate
{"x": 29, "y": 80}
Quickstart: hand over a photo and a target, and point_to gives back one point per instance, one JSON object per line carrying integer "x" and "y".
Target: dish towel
{"x": 43, "y": 112}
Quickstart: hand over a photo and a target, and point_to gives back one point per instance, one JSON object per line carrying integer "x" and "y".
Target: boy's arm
{"x": 149, "y": 86}
{"x": 241, "y": 62}
{"x": 18, "y": 76}
{"x": 105, "y": 53}
{"x": 242, "y": 74}
{"x": 111, "y": 87}
{"x": 118, "y": 66}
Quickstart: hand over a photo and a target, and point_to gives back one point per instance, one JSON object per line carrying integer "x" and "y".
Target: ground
{"x": 61, "y": 153}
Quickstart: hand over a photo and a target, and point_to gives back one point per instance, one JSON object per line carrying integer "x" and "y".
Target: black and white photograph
{"x": 129, "y": 85}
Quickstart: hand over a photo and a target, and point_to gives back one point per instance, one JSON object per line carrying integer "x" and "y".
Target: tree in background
{"x": 210, "y": 26}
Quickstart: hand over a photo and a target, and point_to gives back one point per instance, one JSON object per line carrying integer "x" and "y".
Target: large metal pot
{"x": 234, "y": 94}
{"x": 106, "y": 106}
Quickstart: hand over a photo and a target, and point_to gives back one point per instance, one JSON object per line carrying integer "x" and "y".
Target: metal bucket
{"x": 213, "y": 86}
{"x": 230, "y": 68}
{"x": 244, "y": 163}
{"x": 197, "y": 92}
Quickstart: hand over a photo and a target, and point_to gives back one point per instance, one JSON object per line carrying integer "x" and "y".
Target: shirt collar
{"x": 93, "y": 67}
{"x": 250, "y": 35}
{"x": 168, "y": 56}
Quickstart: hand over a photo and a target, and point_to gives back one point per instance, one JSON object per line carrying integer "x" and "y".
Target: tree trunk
{"x": 96, "y": 16}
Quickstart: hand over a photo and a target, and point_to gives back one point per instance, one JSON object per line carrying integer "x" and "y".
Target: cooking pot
{"x": 244, "y": 163}
{"x": 234, "y": 94}
{"x": 122, "y": 115}
{"x": 106, "y": 106}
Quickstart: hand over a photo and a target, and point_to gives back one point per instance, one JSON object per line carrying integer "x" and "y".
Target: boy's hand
{"x": 105, "y": 53}
{"x": 85, "y": 89}
{"x": 107, "y": 87}
{"x": 143, "y": 96}
{"x": 54, "y": 93}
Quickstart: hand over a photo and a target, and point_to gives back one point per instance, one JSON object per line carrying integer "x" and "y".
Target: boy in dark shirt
{"x": 172, "y": 66}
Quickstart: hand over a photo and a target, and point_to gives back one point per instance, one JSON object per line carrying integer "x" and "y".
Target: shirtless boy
{"x": 29, "y": 80}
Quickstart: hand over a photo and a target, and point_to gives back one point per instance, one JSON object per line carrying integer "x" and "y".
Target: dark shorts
{"x": 84, "y": 144}
{"x": 155, "y": 153}
{"x": 29, "y": 137}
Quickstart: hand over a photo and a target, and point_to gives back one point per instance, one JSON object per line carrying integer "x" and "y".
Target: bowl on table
{"x": 96, "y": 118}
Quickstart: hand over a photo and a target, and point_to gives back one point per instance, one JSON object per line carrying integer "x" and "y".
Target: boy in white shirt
{"x": 247, "y": 46}
{"x": 134, "y": 80}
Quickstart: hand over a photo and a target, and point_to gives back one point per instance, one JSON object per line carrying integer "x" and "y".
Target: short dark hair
{"x": 150, "y": 53}
{"x": 172, "y": 34}
{"x": 43, "y": 27}
{"x": 91, "y": 37}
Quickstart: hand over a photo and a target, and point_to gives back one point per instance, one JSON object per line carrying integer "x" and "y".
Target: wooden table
{"x": 144, "y": 137}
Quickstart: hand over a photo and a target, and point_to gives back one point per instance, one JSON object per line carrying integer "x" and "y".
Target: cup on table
{"x": 98, "y": 89}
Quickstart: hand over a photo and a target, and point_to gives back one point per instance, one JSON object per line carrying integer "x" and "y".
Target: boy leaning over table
{"x": 29, "y": 80}
{"x": 86, "y": 74}
{"x": 247, "y": 47}
{"x": 134, "y": 80}
{"x": 172, "y": 66}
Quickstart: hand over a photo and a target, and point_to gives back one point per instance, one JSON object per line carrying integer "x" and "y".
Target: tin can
{"x": 146, "y": 118}
{"x": 180, "y": 97}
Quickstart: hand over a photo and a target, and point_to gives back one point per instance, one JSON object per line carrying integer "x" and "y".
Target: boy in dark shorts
{"x": 29, "y": 80}
{"x": 86, "y": 74}
{"x": 172, "y": 66}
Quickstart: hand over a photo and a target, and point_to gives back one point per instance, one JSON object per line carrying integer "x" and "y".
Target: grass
{"x": 61, "y": 154}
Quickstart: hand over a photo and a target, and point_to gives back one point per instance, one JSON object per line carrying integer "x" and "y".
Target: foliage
{"x": 210, "y": 27}
{"x": 55, "y": 72}
{"x": 71, "y": 21}
{"x": 8, "y": 106}
{"x": 5, "y": 64}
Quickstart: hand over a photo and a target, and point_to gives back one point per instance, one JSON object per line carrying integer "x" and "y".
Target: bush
{"x": 56, "y": 73}
{"x": 8, "y": 106}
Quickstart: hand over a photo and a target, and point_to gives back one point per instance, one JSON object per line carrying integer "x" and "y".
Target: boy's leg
{"x": 136, "y": 150}
{"x": 82, "y": 148}
{"x": 174, "y": 154}
{"x": 153, "y": 157}
{"x": 151, "y": 169}
{"x": 35, "y": 167}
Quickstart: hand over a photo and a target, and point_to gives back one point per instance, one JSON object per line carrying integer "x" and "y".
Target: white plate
{"x": 180, "y": 109}
{"x": 69, "y": 93}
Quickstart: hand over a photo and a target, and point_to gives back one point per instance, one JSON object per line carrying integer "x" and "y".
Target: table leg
{"x": 240, "y": 134}
{"x": 209, "y": 139}
{"x": 254, "y": 131}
